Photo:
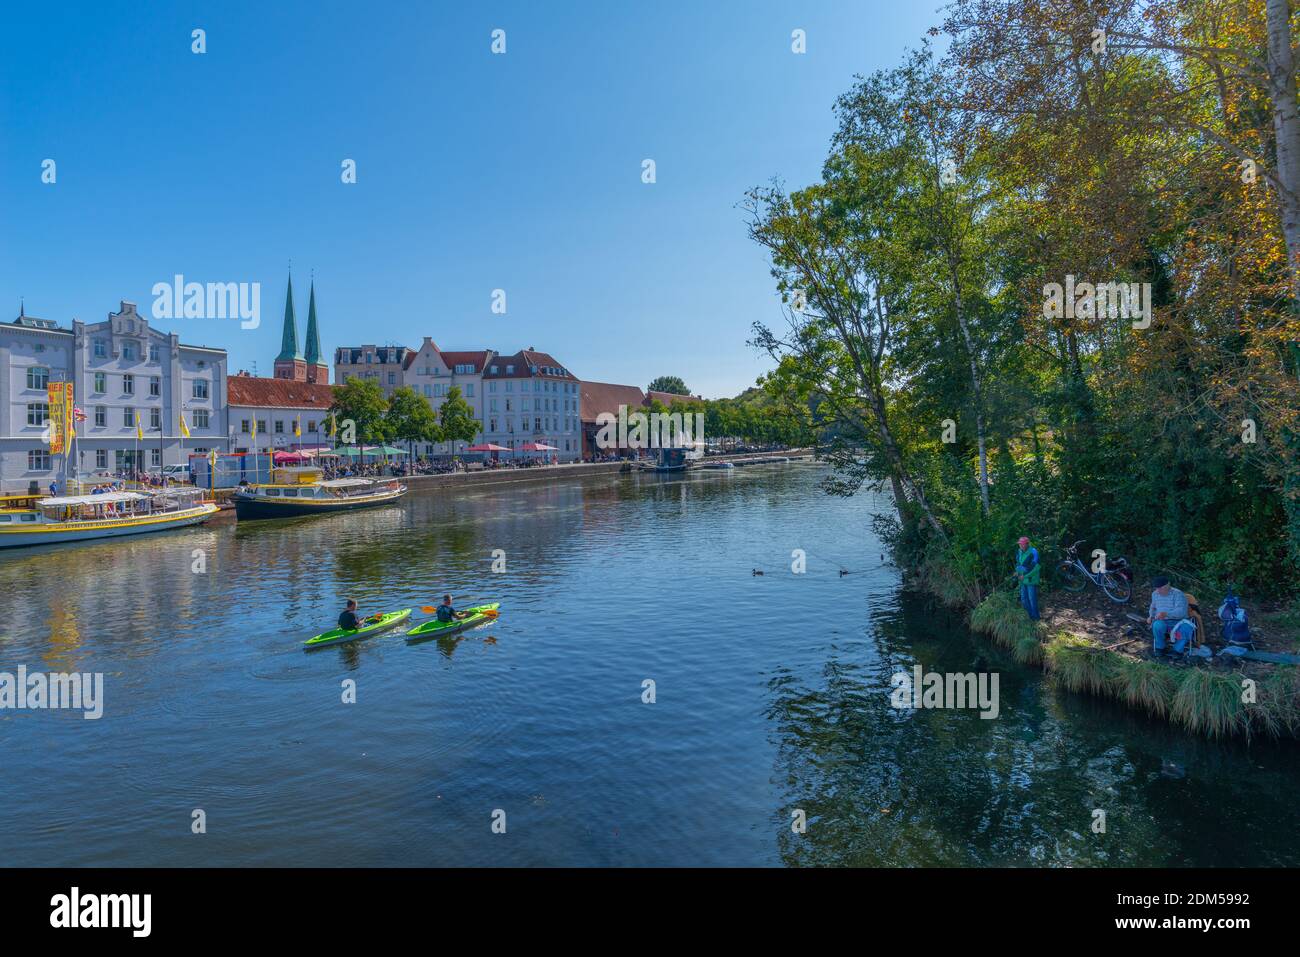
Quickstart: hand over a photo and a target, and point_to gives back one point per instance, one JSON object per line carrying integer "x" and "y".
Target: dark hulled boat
{"x": 298, "y": 492}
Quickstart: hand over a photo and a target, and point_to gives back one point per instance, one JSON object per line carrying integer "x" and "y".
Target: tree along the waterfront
{"x": 456, "y": 418}
{"x": 359, "y": 407}
{"x": 924, "y": 279}
{"x": 411, "y": 419}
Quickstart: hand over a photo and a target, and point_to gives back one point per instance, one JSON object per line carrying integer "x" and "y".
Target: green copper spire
{"x": 313, "y": 331}
{"x": 289, "y": 338}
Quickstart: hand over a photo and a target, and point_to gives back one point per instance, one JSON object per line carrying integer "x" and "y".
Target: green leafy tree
{"x": 359, "y": 406}
{"x": 669, "y": 383}
{"x": 457, "y": 416}
{"x": 411, "y": 419}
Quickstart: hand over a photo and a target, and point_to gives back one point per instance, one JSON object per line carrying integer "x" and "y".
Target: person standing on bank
{"x": 1028, "y": 572}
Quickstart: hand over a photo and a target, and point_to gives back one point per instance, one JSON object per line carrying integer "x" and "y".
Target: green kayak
{"x": 384, "y": 622}
{"x": 433, "y": 628}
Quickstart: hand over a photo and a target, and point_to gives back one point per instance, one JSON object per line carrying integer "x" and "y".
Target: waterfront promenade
{"x": 550, "y": 473}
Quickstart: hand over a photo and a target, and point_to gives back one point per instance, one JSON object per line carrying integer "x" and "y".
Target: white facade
{"x": 529, "y": 397}
{"x": 432, "y": 374}
{"x": 119, "y": 368}
{"x": 275, "y": 427}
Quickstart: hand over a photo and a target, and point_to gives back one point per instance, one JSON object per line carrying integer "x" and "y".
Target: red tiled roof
{"x": 277, "y": 393}
{"x": 598, "y": 397}
{"x": 668, "y": 398}
{"x": 453, "y": 359}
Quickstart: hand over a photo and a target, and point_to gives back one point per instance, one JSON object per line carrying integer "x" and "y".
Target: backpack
{"x": 1236, "y": 626}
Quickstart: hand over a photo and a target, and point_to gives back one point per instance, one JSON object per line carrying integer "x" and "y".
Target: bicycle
{"x": 1074, "y": 575}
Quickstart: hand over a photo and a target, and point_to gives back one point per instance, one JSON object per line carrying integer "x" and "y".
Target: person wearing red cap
{"x": 1028, "y": 572}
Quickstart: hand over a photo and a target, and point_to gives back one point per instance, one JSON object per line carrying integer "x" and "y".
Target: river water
{"x": 771, "y": 697}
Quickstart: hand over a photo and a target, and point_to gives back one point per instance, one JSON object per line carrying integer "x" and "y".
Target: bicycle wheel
{"x": 1116, "y": 587}
{"x": 1071, "y": 577}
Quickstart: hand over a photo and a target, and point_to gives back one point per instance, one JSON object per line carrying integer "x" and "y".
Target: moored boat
{"x": 34, "y": 520}
{"x": 302, "y": 491}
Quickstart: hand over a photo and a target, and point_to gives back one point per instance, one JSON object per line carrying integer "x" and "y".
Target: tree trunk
{"x": 977, "y": 385}
{"x": 898, "y": 471}
{"x": 1286, "y": 127}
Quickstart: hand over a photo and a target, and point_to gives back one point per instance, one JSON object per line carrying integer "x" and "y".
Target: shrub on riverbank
{"x": 948, "y": 581}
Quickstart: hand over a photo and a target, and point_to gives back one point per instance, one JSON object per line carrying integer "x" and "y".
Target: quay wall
{"x": 549, "y": 473}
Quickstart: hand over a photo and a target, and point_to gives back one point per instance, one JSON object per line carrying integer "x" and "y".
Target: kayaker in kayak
{"x": 348, "y": 620}
{"x": 447, "y": 614}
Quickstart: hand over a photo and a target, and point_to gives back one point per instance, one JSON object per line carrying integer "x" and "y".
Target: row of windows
{"x": 461, "y": 368}
{"x": 539, "y": 405}
{"x": 246, "y": 426}
{"x": 130, "y": 350}
{"x": 392, "y": 356}
{"x": 438, "y": 390}
{"x": 38, "y": 377}
{"x": 551, "y": 424}
{"x": 38, "y": 414}
{"x": 392, "y": 376}
{"x": 537, "y": 385}
{"x": 40, "y": 460}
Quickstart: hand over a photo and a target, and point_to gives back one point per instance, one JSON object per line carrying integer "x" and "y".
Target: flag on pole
{"x": 254, "y": 428}
{"x": 333, "y": 424}
{"x": 185, "y": 429}
{"x": 139, "y": 432}
{"x": 297, "y": 427}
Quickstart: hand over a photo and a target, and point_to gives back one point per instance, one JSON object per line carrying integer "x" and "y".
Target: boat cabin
{"x": 98, "y": 507}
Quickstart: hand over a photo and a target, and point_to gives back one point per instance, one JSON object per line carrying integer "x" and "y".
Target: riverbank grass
{"x": 1200, "y": 699}
{"x": 1000, "y": 617}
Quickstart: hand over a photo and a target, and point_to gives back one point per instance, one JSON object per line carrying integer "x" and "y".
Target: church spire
{"x": 313, "y": 331}
{"x": 289, "y": 351}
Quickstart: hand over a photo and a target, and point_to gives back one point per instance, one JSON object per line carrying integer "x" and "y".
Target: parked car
{"x": 176, "y": 473}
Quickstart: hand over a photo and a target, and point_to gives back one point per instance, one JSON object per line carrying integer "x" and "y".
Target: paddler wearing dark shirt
{"x": 446, "y": 613}
{"x": 348, "y": 620}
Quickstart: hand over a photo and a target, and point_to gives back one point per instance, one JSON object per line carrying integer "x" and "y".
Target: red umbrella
{"x": 537, "y": 447}
{"x": 487, "y": 447}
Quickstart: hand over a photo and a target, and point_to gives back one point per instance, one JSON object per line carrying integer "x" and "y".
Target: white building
{"x": 120, "y": 368}
{"x": 287, "y": 414}
{"x": 531, "y": 398}
{"x": 433, "y": 373}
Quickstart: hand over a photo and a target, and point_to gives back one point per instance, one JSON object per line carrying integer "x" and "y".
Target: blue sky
{"x": 475, "y": 171}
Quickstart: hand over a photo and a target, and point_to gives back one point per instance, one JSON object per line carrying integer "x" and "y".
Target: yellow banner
{"x": 57, "y": 421}
{"x": 69, "y": 421}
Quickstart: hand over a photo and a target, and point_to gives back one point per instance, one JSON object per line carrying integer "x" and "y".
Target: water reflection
{"x": 772, "y": 695}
